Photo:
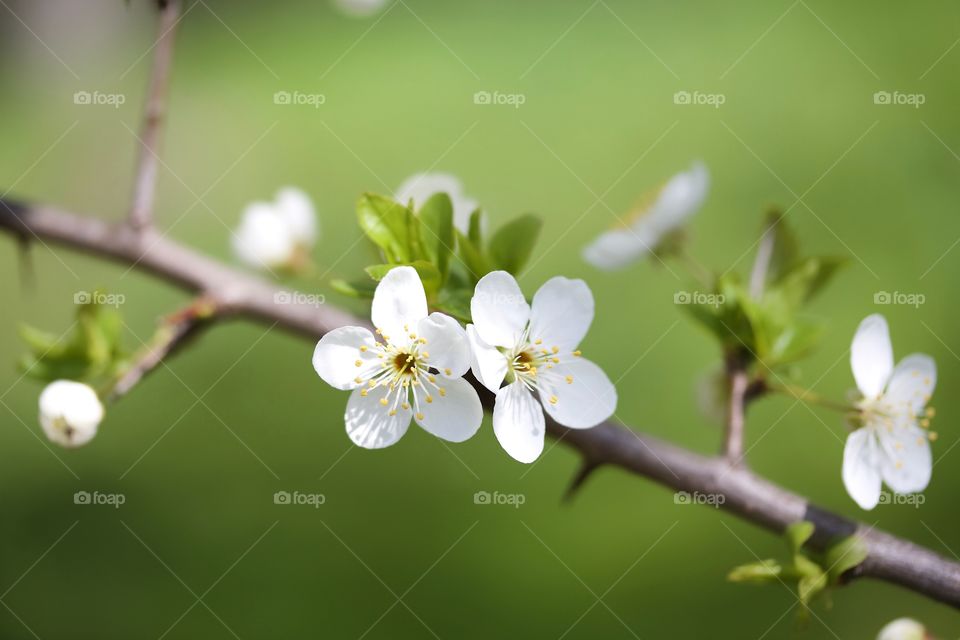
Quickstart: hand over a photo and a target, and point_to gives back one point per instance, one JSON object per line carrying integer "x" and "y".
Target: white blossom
{"x": 903, "y": 629}
{"x": 70, "y": 413}
{"x": 893, "y": 445}
{"x": 278, "y": 234}
{"x": 534, "y": 350}
{"x": 679, "y": 199}
{"x": 360, "y": 8}
{"x": 419, "y": 187}
{"x": 413, "y": 371}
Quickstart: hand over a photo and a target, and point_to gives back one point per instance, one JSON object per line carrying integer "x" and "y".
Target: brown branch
{"x": 752, "y": 498}
{"x": 145, "y": 185}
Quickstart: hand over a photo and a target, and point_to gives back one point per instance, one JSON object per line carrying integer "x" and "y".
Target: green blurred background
{"x": 878, "y": 183}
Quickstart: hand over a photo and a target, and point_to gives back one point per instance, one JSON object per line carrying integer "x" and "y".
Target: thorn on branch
{"x": 587, "y": 467}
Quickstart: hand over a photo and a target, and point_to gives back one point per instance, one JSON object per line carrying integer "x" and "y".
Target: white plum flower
{"x": 903, "y": 629}
{"x": 278, "y": 234}
{"x": 414, "y": 371}
{"x": 419, "y": 187}
{"x": 679, "y": 199}
{"x": 533, "y": 348}
{"x": 70, "y": 412}
{"x": 893, "y": 445}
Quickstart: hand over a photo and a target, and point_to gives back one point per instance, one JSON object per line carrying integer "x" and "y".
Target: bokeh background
{"x": 199, "y": 549}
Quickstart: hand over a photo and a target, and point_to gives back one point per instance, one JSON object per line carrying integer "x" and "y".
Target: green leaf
{"x": 809, "y": 586}
{"x": 436, "y": 217}
{"x": 387, "y": 224}
{"x": 364, "y": 288}
{"x": 456, "y": 303}
{"x": 475, "y": 263}
{"x": 797, "y": 535}
{"x": 844, "y": 555}
{"x": 786, "y": 250}
{"x": 475, "y": 232}
{"x": 756, "y": 572}
{"x": 795, "y": 341}
{"x": 512, "y": 245}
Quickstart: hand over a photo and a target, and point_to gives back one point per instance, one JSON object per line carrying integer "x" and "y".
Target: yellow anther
{"x": 363, "y": 348}
{"x": 925, "y": 423}
{"x": 423, "y": 341}
{"x": 432, "y": 378}
{"x": 930, "y": 412}
{"x": 393, "y": 412}
{"x": 358, "y": 380}
{"x": 383, "y": 401}
{"x": 442, "y": 392}
{"x": 406, "y": 327}
{"x": 373, "y": 383}
{"x": 555, "y": 360}
{"x": 429, "y": 399}
{"x": 419, "y": 416}
{"x": 569, "y": 379}
{"x": 363, "y": 392}
{"x": 555, "y": 349}
{"x": 358, "y": 363}
{"x": 933, "y": 435}
{"x": 405, "y": 406}
{"x": 539, "y": 341}
{"x": 379, "y": 333}
{"x": 577, "y": 353}
{"x": 553, "y": 399}
{"x": 413, "y": 336}
{"x": 426, "y": 354}
{"x": 447, "y": 371}
{"x": 545, "y": 352}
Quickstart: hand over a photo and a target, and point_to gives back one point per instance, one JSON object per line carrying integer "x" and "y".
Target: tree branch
{"x": 145, "y": 185}
{"x": 752, "y": 498}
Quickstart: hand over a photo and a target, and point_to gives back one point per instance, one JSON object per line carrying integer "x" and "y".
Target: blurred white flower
{"x": 903, "y": 629}
{"x": 70, "y": 413}
{"x": 679, "y": 199}
{"x": 278, "y": 234}
{"x": 892, "y": 445}
{"x": 360, "y": 8}
{"x": 415, "y": 372}
{"x": 419, "y": 187}
{"x": 534, "y": 349}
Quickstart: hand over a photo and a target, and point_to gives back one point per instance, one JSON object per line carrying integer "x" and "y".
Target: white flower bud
{"x": 360, "y": 8}
{"x": 903, "y": 629}
{"x": 70, "y": 413}
{"x": 274, "y": 235}
{"x": 421, "y": 186}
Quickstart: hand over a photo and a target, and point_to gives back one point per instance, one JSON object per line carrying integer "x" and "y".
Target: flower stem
{"x": 805, "y": 395}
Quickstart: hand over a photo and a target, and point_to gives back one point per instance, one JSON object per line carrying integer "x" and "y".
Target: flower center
{"x": 533, "y": 364}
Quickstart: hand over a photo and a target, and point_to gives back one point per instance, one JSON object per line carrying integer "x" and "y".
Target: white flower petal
{"x": 499, "y": 311}
{"x": 561, "y": 313}
{"x": 907, "y": 462}
{"x": 263, "y": 240}
{"x": 454, "y": 416}
{"x": 489, "y": 366}
{"x": 618, "y": 248}
{"x": 861, "y": 473}
{"x": 420, "y": 186}
{"x": 399, "y": 304}
{"x": 518, "y": 422}
{"x": 297, "y": 211}
{"x": 446, "y": 343}
{"x": 912, "y": 383}
{"x": 584, "y": 395}
{"x": 345, "y": 354}
{"x": 369, "y": 423}
{"x": 903, "y": 629}
{"x": 360, "y": 8}
{"x": 871, "y": 355}
{"x": 679, "y": 199}
{"x": 70, "y": 412}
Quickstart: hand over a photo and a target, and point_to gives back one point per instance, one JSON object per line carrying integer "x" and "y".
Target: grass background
{"x": 877, "y": 182}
